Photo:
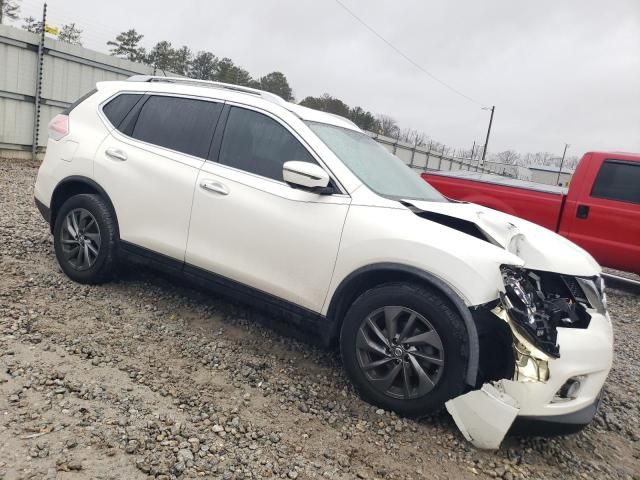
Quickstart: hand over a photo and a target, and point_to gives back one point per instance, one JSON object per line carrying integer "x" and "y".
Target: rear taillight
{"x": 59, "y": 127}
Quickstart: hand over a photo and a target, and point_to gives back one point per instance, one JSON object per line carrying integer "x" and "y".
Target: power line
{"x": 405, "y": 56}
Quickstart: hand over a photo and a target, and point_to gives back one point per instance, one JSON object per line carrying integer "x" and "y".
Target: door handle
{"x": 583, "y": 211}
{"x": 116, "y": 154}
{"x": 215, "y": 187}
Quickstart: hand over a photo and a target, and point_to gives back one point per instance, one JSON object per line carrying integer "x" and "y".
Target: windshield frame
{"x": 399, "y": 198}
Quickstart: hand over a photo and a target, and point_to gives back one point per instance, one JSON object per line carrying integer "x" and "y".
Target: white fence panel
{"x": 69, "y": 71}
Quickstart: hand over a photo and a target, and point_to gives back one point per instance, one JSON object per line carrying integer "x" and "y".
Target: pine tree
{"x": 181, "y": 62}
{"x": 71, "y": 34}
{"x": 276, "y": 82}
{"x": 126, "y": 45}
{"x": 204, "y": 66}
{"x": 228, "y": 72}
{"x": 32, "y": 25}
{"x": 162, "y": 56}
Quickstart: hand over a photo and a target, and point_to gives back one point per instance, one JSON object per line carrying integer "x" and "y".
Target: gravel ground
{"x": 148, "y": 378}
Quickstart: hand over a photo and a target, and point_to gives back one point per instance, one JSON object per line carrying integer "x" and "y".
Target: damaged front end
{"x": 521, "y": 348}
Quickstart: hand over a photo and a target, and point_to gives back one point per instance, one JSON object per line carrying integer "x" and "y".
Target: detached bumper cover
{"x": 484, "y": 416}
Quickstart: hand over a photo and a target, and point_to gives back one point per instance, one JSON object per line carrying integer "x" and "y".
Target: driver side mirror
{"x": 307, "y": 176}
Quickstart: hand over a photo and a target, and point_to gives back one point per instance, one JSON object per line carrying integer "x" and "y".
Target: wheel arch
{"x": 74, "y": 185}
{"x": 367, "y": 277}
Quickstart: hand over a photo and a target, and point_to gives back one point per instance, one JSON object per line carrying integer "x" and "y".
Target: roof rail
{"x": 272, "y": 97}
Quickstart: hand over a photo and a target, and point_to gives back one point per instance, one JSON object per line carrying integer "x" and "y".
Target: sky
{"x": 557, "y": 72}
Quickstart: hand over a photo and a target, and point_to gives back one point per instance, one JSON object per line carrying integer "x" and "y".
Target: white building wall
{"x": 549, "y": 177}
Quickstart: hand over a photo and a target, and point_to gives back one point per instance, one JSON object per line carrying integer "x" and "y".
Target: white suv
{"x": 300, "y": 212}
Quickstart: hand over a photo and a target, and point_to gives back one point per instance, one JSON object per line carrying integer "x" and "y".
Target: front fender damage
{"x": 533, "y": 305}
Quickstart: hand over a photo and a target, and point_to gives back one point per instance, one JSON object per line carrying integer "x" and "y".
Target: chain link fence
{"x": 423, "y": 158}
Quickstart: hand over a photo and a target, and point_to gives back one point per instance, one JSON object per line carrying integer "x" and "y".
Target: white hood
{"x": 538, "y": 247}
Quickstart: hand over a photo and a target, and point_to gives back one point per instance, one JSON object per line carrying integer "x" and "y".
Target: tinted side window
{"x": 618, "y": 180}
{"x": 181, "y": 124}
{"x": 258, "y": 144}
{"x": 119, "y": 107}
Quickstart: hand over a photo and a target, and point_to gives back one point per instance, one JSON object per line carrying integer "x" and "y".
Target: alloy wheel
{"x": 80, "y": 239}
{"x": 400, "y": 352}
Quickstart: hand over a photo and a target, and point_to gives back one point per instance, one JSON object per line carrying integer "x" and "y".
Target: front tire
{"x": 404, "y": 348}
{"x": 84, "y": 238}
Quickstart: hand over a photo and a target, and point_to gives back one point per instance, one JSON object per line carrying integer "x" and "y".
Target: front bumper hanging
{"x": 556, "y": 383}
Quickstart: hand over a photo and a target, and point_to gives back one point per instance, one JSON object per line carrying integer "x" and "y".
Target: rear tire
{"x": 85, "y": 239}
{"x": 404, "y": 348}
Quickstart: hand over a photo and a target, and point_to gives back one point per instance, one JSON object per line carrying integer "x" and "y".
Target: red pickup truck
{"x": 600, "y": 211}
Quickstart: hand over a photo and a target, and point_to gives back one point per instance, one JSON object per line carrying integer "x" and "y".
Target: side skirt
{"x": 300, "y": 321}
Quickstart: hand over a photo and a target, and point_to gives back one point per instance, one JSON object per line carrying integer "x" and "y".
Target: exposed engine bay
{"x": 539, "y": 302}
{"x": 522, "y": 325}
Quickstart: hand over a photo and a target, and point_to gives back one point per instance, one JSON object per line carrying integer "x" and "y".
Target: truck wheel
{"x": 84, "y": 238}
{"x": 403, "y": 347}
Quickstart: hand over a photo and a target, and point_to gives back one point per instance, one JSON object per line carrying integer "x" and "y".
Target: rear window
{"x": 182, "y": 124}
{"x": 618, "y": 180}
{"x": 119, "y": 107}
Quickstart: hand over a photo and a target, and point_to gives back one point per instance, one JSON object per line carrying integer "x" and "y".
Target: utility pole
{"x": 566, "y": 145}
{"x": 486, "y": 142}
{"x": 473, "y": 149}
{"x": 38, "y": 92}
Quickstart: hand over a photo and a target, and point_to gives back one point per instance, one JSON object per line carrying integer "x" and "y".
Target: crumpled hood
{"x": 538, "y": 247}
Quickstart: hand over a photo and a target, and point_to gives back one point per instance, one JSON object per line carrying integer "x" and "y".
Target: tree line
{"x": 205, "y": 65}
{"x": 202, "y": 65}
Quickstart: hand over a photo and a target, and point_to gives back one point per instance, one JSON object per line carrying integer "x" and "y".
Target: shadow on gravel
{"x": 235, "y": 313}
{"x": 232, "y": 309}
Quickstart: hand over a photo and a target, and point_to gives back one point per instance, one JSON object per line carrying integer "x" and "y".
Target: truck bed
{"x": 538, "y": 203}
{"x": 500, "y": 180}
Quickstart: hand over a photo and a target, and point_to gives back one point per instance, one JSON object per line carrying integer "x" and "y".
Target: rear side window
{"x": 618, "y": 180}
{"x": 119, "y": 107}
{"x": 182, "y": 124}
{"x": 255, "y": 143}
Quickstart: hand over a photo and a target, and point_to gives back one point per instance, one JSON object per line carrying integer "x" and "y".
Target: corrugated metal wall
{"x": 68, "y": 72}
